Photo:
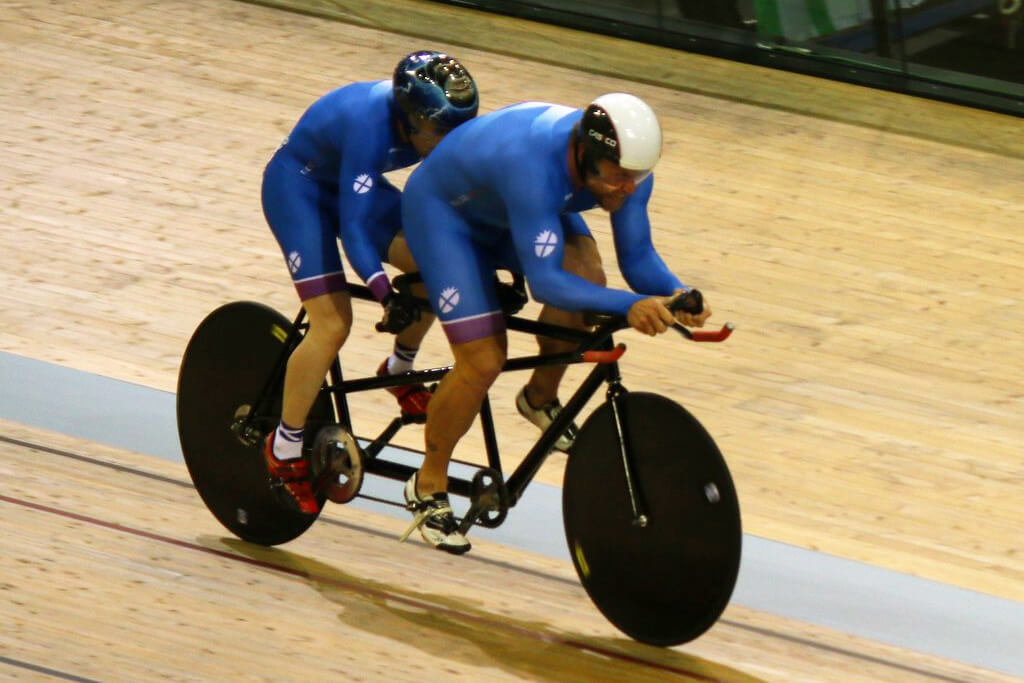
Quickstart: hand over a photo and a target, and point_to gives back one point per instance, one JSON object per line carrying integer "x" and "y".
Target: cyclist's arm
{"x": 639, "y": 262}
{"x": 359, "y": 178}
{"x": 574, "y": 222}
{"x": 539, "y": 242}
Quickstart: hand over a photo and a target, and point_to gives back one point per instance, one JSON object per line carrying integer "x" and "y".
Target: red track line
{"x": 356, "y": 588}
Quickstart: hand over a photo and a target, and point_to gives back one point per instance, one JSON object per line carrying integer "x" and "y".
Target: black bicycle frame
{"x": 605, "y": 371}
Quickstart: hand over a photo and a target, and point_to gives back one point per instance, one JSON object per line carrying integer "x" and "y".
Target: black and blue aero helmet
{"x": 622, "y": 128}
{"x": 433, "y": 86}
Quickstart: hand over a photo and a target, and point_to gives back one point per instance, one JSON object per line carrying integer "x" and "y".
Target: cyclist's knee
{"x": 582, "y": 258}
{"x": 400, "y": 256}
{"x": 594, "y": 272}
{"x": 330, "y": 319}
{"x": 330, "y": 330}
{"x": 479, "y": 362}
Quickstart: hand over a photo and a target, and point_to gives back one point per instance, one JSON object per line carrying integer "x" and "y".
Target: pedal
{"x": 281, "y": 497}
{"x": 489, "y": 501}
{"x": 337, "y": 465}
{"x": 246, "y": 433}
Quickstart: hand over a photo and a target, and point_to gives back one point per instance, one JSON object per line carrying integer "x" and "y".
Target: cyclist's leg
{"x": 302, "y": 217}
{"x": 458, "y": 272}
{"x": 452, "y": 410}
{"x": 454, "y": 406}
{"x": 458, "y": 275}
{"x": 456, "y": 403}
{"x": 330, "y": 319}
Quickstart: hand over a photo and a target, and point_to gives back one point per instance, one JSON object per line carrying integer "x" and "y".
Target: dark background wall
{"x": 965, "y": 51}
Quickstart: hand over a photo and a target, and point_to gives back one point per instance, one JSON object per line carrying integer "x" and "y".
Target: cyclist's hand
{"x": 511, "y": 297}
{"x": 650, "y": 315}
{"x": 691, "y": 319}
{"x": 399, "y": 312}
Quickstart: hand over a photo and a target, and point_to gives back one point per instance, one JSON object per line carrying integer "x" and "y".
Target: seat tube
{"x": 291, "y": 340}
{"x": 490, "y": 438}
{"x": 339, "y": 399}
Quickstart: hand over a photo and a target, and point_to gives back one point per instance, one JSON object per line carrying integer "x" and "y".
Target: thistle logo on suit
{"x": 362, "y": 184}
{"x": 449, "y": 299}
{"x": 544, "y": 244}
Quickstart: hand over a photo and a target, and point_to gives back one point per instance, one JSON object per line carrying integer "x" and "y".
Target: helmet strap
{"x": 584, "y": 162}
{"x": 402, "y": 124}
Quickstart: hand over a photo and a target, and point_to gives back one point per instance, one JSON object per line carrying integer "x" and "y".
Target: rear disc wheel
{"x": 225, "y": 366}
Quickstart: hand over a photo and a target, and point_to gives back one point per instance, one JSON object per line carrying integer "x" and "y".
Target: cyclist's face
{"x": 424, "y": 136}
{"x": 612, "y": 184}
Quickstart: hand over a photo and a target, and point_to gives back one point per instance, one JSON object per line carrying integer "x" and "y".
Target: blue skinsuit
{"x": 326, "y": 182}
{"x": 496, "y": 193}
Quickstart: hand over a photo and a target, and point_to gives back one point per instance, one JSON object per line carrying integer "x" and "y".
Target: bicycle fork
{"x": 616, "y": 390}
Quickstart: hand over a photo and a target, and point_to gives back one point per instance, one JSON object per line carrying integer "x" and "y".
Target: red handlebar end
{"x": 720, "y": 335}
{"x": 604, "y": 356}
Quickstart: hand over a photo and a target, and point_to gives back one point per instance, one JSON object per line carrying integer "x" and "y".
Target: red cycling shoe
{"x": 294, "y": 476}
{"x": 413, "y": 398}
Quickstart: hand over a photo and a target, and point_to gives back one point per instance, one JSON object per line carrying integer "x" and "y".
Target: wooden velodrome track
{"x": 869, "y": 404}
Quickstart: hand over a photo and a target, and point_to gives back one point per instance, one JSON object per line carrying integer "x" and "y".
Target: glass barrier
{"x": 968, "y": 51}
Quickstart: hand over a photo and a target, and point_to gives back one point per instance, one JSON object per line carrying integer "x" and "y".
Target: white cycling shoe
{"x": 433, "y": 516}
{"x": 544, "y": 416}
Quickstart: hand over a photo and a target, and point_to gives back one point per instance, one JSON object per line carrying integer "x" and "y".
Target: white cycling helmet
{"x": 624, "y": 129}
